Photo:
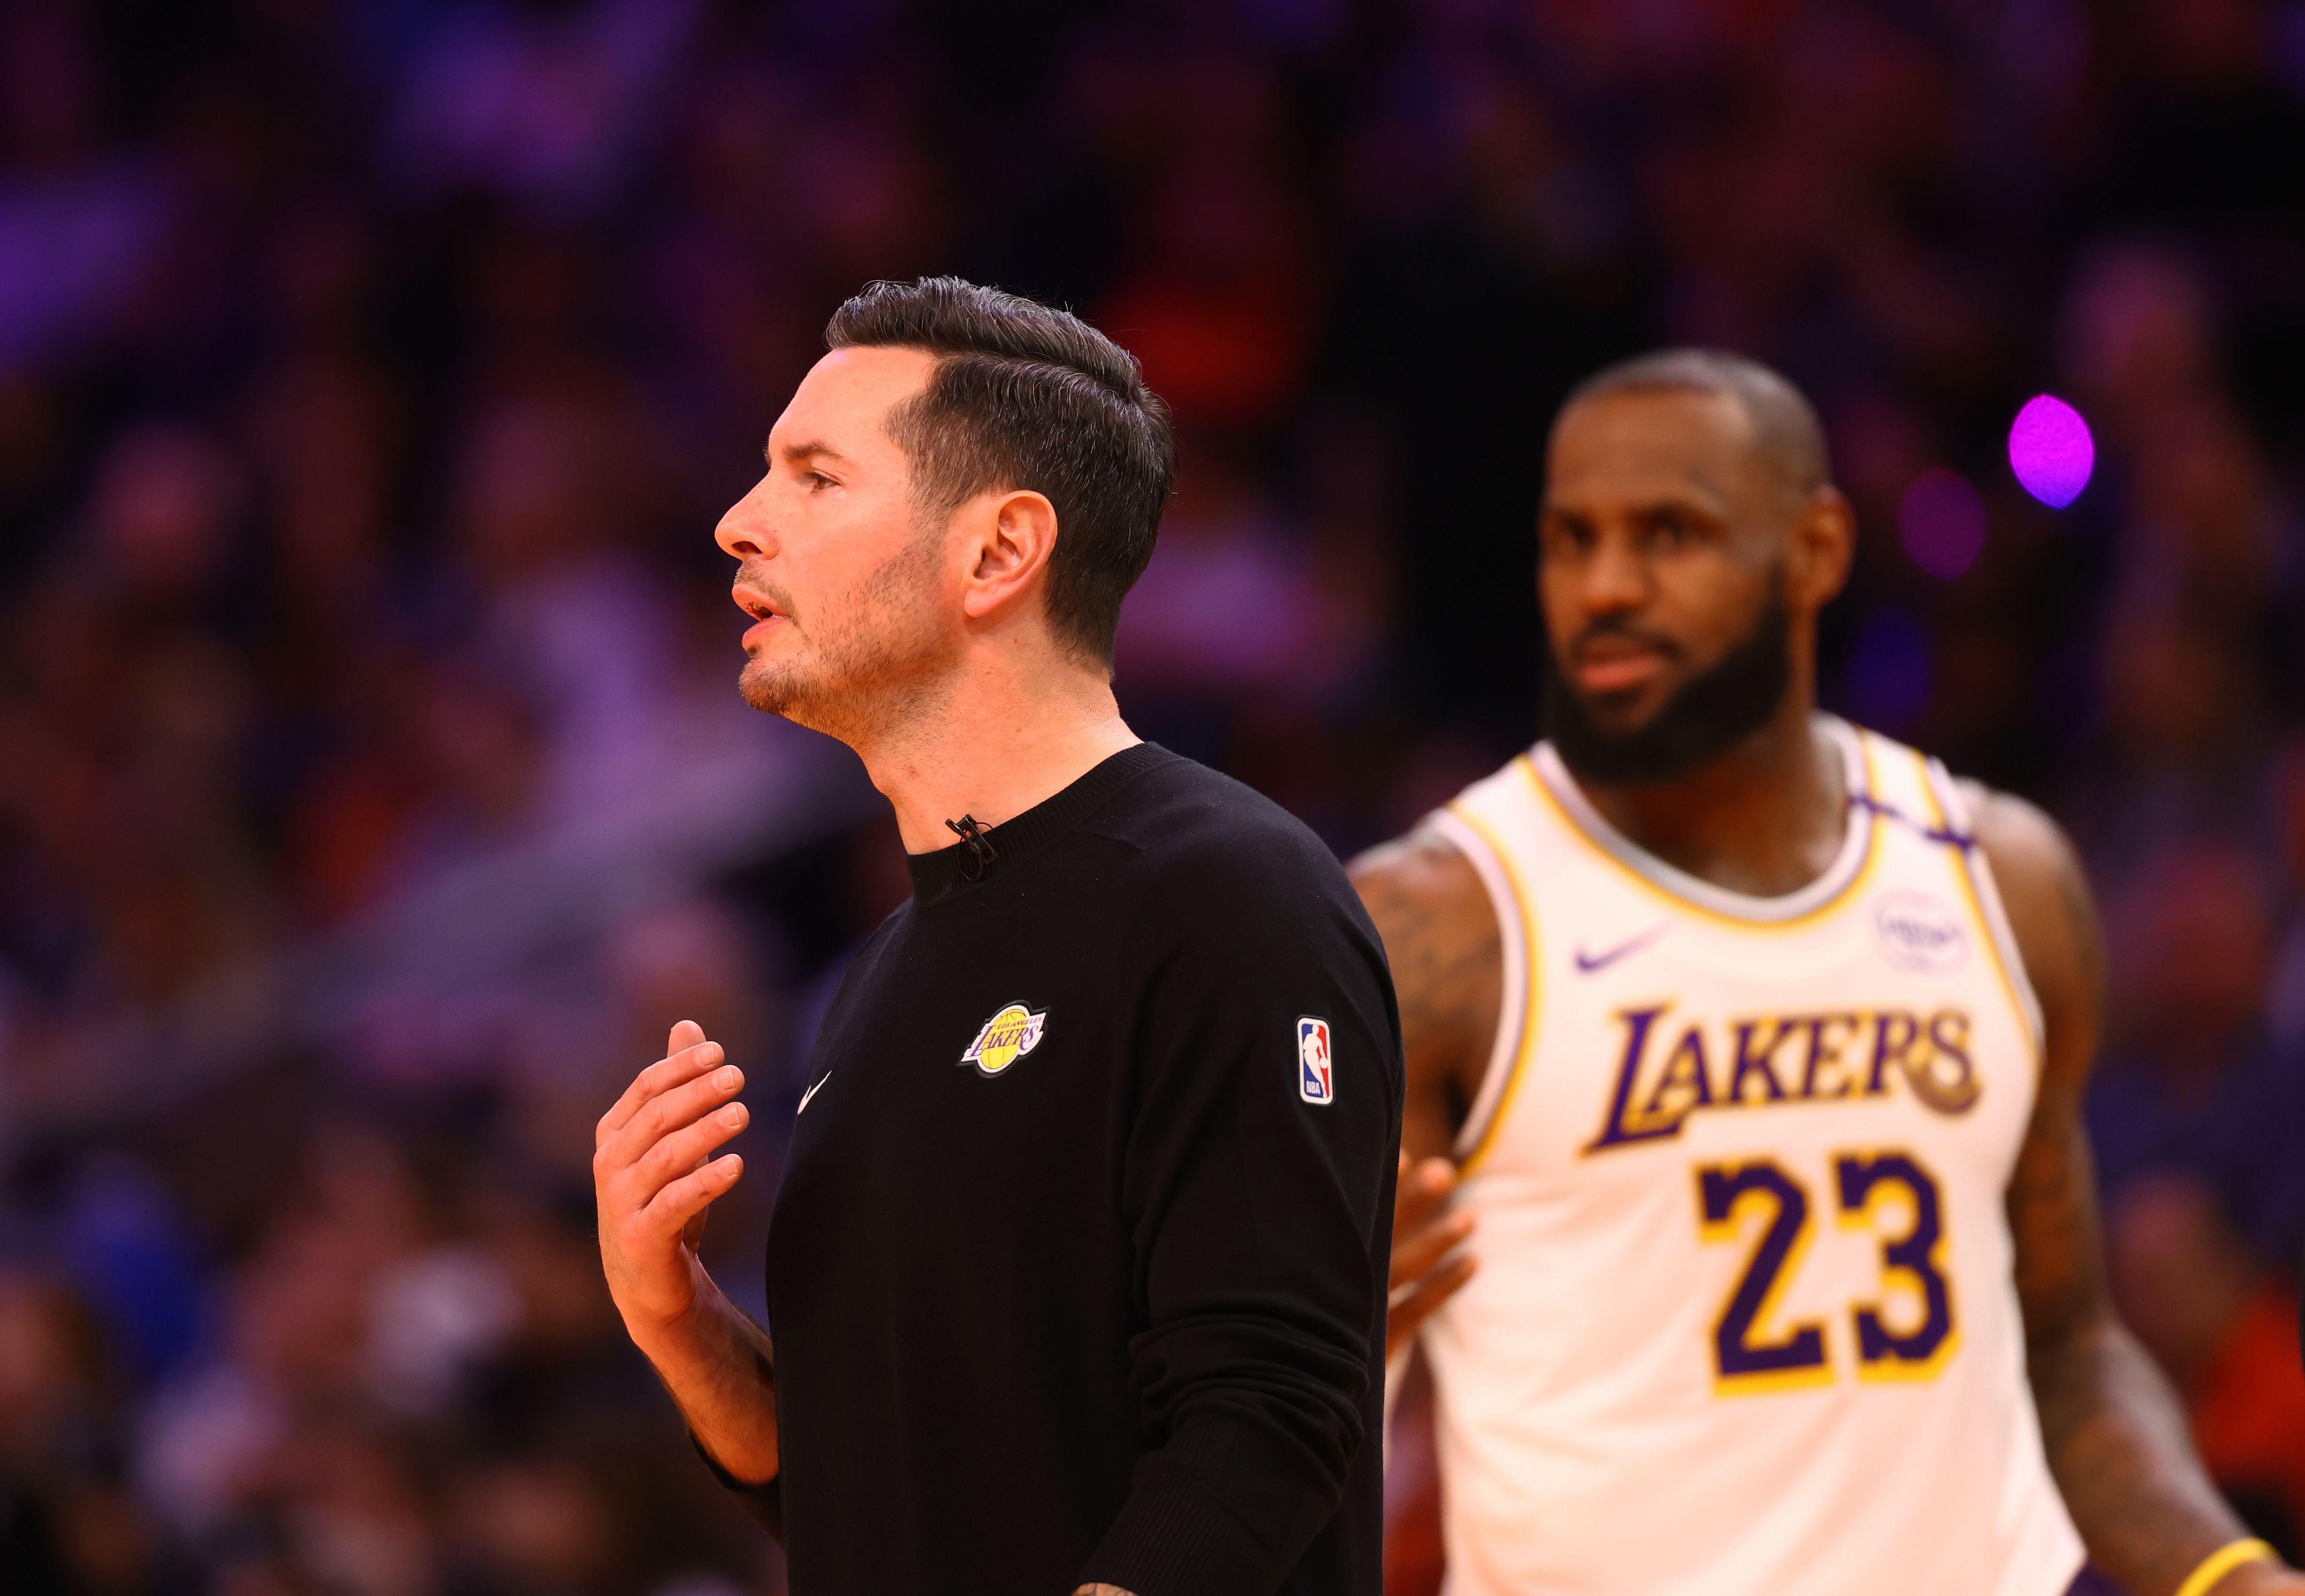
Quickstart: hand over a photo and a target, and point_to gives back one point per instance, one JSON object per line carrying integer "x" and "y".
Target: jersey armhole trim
{"x": 1975, "y": 872}
{"x": 1517, "y": 1013}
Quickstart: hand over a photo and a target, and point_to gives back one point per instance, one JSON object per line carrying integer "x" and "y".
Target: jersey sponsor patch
{"x": 1007, "y": 1037}
{"x": 1920, "y": 933}
{"x": 1316, "y": 1079}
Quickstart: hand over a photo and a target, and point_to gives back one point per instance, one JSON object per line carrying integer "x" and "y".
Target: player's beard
{"x": 1710, "y": 713}
{"x": 872, "y": 659}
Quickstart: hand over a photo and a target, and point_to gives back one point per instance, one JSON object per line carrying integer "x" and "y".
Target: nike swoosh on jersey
{"x": 811, "y": 1092}
{"x": 1588, "y": 962}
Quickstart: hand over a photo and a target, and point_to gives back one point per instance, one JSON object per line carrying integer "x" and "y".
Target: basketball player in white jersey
{"x": 1748, "y": 1048}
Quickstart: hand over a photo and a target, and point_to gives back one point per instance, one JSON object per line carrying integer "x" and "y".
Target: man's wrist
{"x": 681, "y": 1335}
{"x": 2246, "y": 1567}
{"x": 714, "y": 1362}
{"x": 2260, "y": 1577}
{"x": 668, "y": 1341}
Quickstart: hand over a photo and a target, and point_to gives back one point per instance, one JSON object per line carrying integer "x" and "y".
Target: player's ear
{"x": 1824, "y": 544}
{"x": 1014, "y": 534}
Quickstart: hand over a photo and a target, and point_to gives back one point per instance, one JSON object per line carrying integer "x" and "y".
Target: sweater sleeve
{"x": 1258, "y": 1191}
{"x": 765, "y": 1501}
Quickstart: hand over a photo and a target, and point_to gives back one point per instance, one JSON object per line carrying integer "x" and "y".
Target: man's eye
{"x": 817, "y": 480}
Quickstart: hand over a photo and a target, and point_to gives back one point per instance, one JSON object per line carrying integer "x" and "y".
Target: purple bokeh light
{"x": 1941, "y": 521}
{"x": 2050, "y": 451}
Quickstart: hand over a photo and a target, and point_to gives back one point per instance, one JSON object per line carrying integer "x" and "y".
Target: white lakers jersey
{"x": 1744, "y": 1320}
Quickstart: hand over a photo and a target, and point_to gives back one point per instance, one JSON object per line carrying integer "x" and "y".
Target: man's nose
{"x": 744, "y": 531}
{"x": 1616, "y": 578}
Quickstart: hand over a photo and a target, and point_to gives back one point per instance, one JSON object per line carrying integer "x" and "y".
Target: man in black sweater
{"x": 1078, "y": 1275}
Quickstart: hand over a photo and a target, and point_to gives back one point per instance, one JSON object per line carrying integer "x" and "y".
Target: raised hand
{"x": 654, "y": 1177}
{"x": 1427, "y": 1269}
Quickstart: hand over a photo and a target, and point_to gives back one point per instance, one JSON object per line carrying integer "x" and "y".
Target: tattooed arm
{"x": 2117, "y": 1440}
{"x": 1447, "y": 955}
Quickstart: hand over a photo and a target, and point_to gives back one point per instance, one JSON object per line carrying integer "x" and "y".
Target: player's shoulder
{"x": 2029, "y": 853}
{"x": 1429, "y": 871}
{"x": 1424, "y": 870}
{"x": 2045, "y": 893}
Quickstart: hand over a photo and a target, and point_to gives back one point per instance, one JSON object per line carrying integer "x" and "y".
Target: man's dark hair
{"x": 1785, "y": 430}
{"x": 1027, "y": 396}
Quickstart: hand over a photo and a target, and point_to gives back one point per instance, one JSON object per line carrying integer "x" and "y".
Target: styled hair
{"x": 1786, "y": 434}
{"x": 1026, "y": 396}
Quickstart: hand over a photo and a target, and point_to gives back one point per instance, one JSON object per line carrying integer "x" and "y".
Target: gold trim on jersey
{"x": 1964, "y": 873}
{"x": 1531, "y": 994}
{"x": 1849, "y": 889}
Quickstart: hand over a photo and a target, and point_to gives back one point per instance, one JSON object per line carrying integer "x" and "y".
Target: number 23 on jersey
{"x": 1758, "y": 1199}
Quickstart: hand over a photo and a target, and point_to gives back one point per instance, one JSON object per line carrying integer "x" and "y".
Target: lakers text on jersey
{"x": 1745, "y": 1319}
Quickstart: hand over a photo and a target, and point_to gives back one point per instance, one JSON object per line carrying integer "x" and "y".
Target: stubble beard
{"x": 873, "y": 658}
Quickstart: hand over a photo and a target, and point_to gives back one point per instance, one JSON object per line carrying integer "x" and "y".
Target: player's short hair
{"x": 1786, "y": 433}
{"x": 1027, "y": 396}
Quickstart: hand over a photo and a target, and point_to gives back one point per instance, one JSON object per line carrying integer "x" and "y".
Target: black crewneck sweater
{"x": 1077, "y": 1272}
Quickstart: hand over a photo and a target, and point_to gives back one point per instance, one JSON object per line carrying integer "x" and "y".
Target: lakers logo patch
{"x": 1007, "y": 1037}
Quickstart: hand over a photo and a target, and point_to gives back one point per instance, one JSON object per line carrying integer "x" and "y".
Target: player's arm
{"x": 2117, "y": 1439}
{"x": 654, "y": 1175}
{"x": 1442, "y": 939}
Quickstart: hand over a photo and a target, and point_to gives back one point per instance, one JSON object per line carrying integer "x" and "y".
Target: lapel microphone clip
{"x": 981, "y": 851}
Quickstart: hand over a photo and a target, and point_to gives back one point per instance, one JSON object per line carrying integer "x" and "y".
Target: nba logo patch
{"x": 1315, "y": 1078}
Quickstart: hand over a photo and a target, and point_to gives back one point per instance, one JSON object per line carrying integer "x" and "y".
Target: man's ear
{"x": 1013, "y": 535}
{"x": 1824, "y": 544}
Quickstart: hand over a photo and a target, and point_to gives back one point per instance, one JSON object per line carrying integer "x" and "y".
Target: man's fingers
{"x": 665, "y": 1074}
{"x": 669, "y": 1211}
{"x": 684, "y": 1150}
{"x": 1418, "y": 1302}
{"x": 660, "y": 1077}
{"x": 684, "y": 1035}
{"x": 1415, "y": 1255}
{"x": 1412, "y": 1305}
{"x": 1414, "y": 1208}
{"x": 1425, "y": 1190}
{"x": 1427, "y": 1269}
{"x": 630, "y": 1166}
{"x": 676, "y": 1109}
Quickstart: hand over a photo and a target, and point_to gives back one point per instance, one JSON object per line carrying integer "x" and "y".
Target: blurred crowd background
{"x": 373, "y": 787}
